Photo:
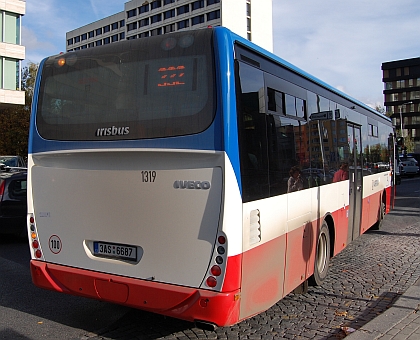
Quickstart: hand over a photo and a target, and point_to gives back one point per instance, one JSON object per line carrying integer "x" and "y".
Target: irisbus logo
{"x": 203, "y": 185}
{"x": 112, "y": 131}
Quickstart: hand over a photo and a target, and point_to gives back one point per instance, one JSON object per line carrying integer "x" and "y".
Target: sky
{"x": 342, "y": 42}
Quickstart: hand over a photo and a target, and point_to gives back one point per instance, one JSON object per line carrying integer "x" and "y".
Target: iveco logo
{"x": 192, "y": 185}
{"x": 113, "y": 131}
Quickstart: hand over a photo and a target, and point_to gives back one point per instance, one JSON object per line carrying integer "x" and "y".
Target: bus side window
{"x": 252, "y": 134}
{"x": 286, "y": 150}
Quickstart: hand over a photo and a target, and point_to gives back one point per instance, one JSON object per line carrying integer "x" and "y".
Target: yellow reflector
{"x": 33, "y": 235}
{"x": 61, "y": 62}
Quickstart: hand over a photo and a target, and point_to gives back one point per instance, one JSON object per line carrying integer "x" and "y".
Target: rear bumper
{"x": 221, "y": 309}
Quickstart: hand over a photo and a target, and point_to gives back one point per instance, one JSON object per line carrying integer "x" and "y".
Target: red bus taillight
{"x": 34, "y": 237}
{"x": 1, "y": 189}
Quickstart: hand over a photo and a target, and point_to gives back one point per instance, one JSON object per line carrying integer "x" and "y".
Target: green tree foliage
{"x": 14, "y": 120}
{"x": 380, "y": 108}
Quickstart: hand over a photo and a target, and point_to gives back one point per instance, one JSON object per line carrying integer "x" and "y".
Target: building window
{"x": 122, "y": 23}
{"x": 114, "y": 26}
{"x": 98, "y": 42}
{"x": 107, "y": 29}
{"x": 144, "y": 22}
{"x": 182, "y": 9}
{"x": 157, "y": 31}
{"x": 83, "y": 47}
{"x": 398, "y": 70}
{"x": 10, "y": 28}
{"x": 107, "y": 40}
{"x": 77, "y": 39}
{"x": 388, "y": 85}
{"x": 400, "y": 84}
{"x": 131, "y": 13}
{"x": 10, "y": 74}
{"x": 69, "y": 42}
{"x": 114, "y": 38}
{"x": 156, "y": 4}
{"x": 98, "y": 31}
{"x": 122, "y": 35}
{"x": 144, "y": 35}
{"x": 144, "y": 8}
{"x": 132, "y": 26}
{"x": 156, "y": 18}
{"x": 91, "y": 45}
{"x": 415, "y": 95}
{"x": 410, "y": 82}
{"x": 406, "y": 71}
{"x": 169, "y": 14}
{"x": 132, "y": 37}
{"x": 167, "y": 2}
{"x": 197, "y": 5}
{"x": 212, "y": 2}
{"x": 213, "y": 15}
{"x": 183, "y": 24}
{"x": 248, "y": 8}
{"x": 91, "y": 34}
{"x": 199, "y": 19}
{"x": 169, "y": 28}
{"x": 84, "y": 36}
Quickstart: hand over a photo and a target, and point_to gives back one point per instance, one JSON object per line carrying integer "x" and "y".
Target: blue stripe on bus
{"x": 225, "y": 69}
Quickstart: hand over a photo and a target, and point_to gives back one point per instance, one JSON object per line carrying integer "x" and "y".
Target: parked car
{"x": 12, "y": 162}
{"x": 13, "y": 204}
{"x": 408, "y": 166}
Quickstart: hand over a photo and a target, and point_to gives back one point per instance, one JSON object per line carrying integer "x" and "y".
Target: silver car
{"x": 408, "y": 166}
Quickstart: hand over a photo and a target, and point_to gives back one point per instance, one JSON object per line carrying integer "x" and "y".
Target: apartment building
{"x": 401, "y": 80}
{"x": 11, "y": 52}
{"x": 251, "y": 19}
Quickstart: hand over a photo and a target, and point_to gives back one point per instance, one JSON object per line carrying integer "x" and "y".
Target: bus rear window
{"x": 146, "y": 88}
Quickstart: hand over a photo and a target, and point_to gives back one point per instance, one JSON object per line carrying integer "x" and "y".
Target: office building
{"x": 11, "y": 53}
{"x": 402, "y": 97}
{"x": 251, "y": 19}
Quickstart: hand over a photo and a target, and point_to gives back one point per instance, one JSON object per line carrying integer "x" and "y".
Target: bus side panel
{"x": 262, "y": 277}
{"x": 264, "y": 255}
{"x": 341, "y": 226}
{"x": 373, "y": 187}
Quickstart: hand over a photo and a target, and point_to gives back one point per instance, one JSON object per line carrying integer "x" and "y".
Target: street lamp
{"x": 401, "y": 119}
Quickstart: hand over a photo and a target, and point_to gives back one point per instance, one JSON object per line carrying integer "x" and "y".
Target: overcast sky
{"x": 342, "y": 42}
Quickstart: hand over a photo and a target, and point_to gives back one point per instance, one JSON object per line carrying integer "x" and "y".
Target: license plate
{"x": 115, "y": 251}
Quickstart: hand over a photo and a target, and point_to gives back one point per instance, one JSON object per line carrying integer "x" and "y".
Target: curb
{"x": 407, "y": 305}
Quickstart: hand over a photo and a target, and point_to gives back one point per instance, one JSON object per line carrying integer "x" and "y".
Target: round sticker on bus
{"x": 55, "y": 244}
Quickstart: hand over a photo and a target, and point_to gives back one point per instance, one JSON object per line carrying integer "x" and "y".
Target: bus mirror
{"x": 400, "y": 141}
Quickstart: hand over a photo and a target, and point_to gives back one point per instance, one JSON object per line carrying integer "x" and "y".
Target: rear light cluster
{"x": 2, "y": 185}
{"x": 214, "y": 277}
{"x": 34, "y": 237}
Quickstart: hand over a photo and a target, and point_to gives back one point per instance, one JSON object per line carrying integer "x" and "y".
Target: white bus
{"x": 160, "y": 175}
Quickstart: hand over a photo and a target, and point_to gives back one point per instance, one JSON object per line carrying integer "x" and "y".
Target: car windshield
{"x": 9, "y": 160}
{"x": 408, "y": 159}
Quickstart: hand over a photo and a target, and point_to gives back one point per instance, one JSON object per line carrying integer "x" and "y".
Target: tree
{"x": 14, "y": 121}
{"x": 380, "y": 108}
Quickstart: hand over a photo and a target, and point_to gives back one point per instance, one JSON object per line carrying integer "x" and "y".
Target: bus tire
{"x": 381, "y": 215}
{"x": 322, "y": 257}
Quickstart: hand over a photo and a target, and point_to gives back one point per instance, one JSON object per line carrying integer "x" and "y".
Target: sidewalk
{"x": 400, "y": 322}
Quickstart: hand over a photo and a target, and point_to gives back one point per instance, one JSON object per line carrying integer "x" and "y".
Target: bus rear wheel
{"x": 322, "y": 257}
{"x": 381, "y": 215}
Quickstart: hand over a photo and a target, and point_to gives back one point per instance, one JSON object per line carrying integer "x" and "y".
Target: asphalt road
{"x": 364, "y": 280}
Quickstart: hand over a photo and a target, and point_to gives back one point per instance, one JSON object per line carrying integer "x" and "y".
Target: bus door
{"x": 355, "y": 181}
